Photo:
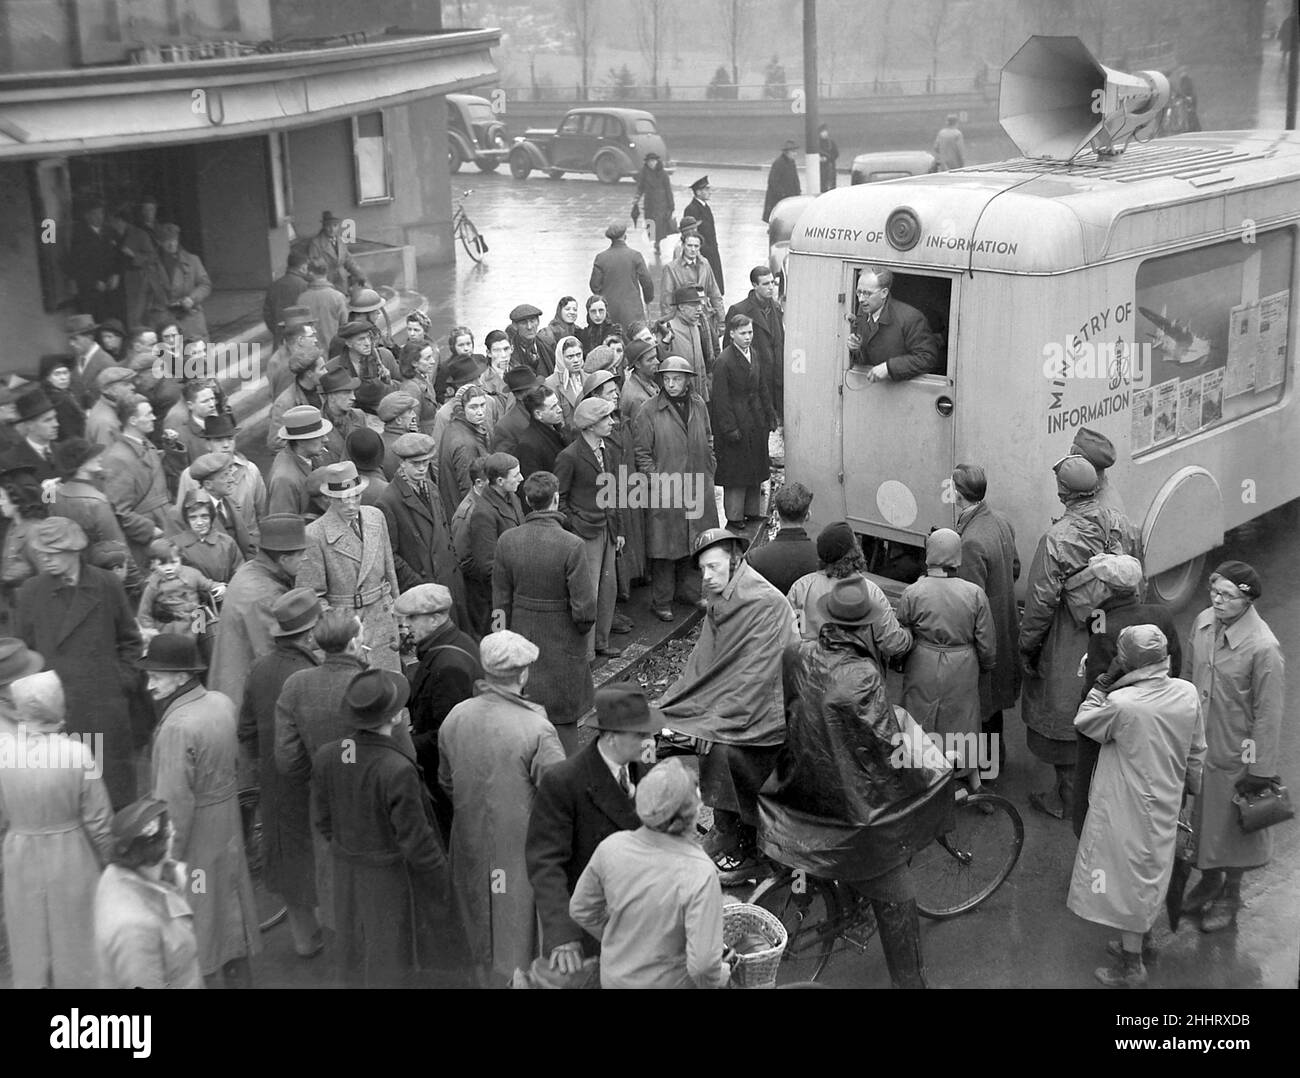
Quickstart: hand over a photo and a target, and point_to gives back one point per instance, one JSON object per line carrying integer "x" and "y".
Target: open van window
{"x": 931, "y": 295}
{"x": 1213, "y": 332}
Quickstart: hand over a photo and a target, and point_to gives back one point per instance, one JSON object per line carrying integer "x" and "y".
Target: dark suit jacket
{"x": 708, "y": 232}
{"x": 421, "y": 538}
{"x": 22, "y": 455}
{"x": 578, "y": 805}
{"x": 579, "y": 477}
{"x": 790, "y": 555}
{"x": 769, "y": 342}
{"x": 493, "y": 514}
{"x": 901, "y": 339}
{"x": 537, "y": 447}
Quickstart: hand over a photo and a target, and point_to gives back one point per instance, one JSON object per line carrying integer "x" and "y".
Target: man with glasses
{"x": 891, "y": 339}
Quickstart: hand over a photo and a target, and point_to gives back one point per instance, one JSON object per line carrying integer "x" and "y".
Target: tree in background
{"x": 582, "y": 19}
{"x": 931, "y": 15}
{"x": 721, "y": 88}
{"x": 622, "y": 83}
{"x": 731, "y": 16}
{"x": 653, "y": 18}
{"x": 774, "y": 80}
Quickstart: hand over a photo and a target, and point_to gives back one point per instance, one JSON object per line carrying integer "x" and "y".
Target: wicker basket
{"x": 757, "y": 970}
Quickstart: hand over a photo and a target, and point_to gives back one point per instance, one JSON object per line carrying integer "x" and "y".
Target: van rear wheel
{"x": 1175, "y": 587}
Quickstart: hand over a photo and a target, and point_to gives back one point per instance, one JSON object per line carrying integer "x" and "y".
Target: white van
{"x": 1151, "y": 297}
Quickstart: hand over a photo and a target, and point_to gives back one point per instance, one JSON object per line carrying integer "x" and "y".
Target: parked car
{"x": 780, "y": 227}
{"x": 610, "y": 142}
{"x": 474, "y": 133}
{"x": 891, "y": 165}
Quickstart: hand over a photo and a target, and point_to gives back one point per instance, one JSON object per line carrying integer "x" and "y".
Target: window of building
{"x": 1212, "y": 334}
{"x": 374, "y": 173}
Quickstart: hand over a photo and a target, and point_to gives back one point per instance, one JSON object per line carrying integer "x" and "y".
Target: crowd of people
{"x": 385, "y": 648}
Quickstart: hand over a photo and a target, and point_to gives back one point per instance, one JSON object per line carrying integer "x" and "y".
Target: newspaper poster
{"x": 1143, "y": 418}
{"x": 1166, "y": 405}
{"x": 1243, "y": 347}
{"x": 1270, "y": 359}
{"x": 1211, "y": 397}
{"x": 1189, "y": 406}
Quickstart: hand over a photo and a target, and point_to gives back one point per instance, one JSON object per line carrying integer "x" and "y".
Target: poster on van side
{"x": 1143, "y": 428}
{"x": 1189, "y": 406}
{"x": 1243, "y": 348}
{"x": 1270, "y": 357}
{"x": 1211, "y": 397}
{"x": 1166, "y": 402}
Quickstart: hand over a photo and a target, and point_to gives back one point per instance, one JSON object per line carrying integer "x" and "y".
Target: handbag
{"x": 1264, "y": 809}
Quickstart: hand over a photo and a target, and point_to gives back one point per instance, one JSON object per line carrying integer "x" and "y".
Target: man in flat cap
{"x": 782, "y": 178}
{"x": 78, "y": 618}
{"x": 443, "y": 674}
{"x": 586, "y": 471}
{"x": 620, "y": 276}
{"x": 390, "y": 878}
{"x": 699, "y": 208}
{"x": 580, "y": 803}
{"x": 330, "y": 249}
{"x": 248, "y": 494}
{"x": 493, "y": 752}
{"x": 176, "y": 284}
{"x": 114, "y": 384}
{"x": 215, "y": 475}
{"x": 400, "y": 414}
{"x": 531, "y": 351}
{"x": 1054, "y": 628}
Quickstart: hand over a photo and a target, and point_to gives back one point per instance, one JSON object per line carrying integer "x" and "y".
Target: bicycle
{"x": 952, "y": 875}
{"x": 465, "y": 230}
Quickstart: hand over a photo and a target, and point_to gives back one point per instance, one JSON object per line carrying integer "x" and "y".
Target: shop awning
{"x": 52, "y": 114}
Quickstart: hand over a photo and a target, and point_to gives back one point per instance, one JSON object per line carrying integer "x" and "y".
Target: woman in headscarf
{"x": 464, "y": 439}
{"x": 1236, "y": 663}
{"x": 1121, "y": 574}
{"x": 953, "y": 640}
{"x": 564, "y": 324}
{"x": 418, "y": 365}
{"x": 55, "y": 815}
{"x": 56, "y": 376}
{"x": 652, "y": 897}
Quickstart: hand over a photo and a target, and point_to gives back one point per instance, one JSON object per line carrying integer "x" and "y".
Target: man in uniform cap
{"x": 729, "y": 694}
{"x": 494, "y": 749}
{"x": 580, "y": 803}
{"x": 391, "y": 885}
{"x": 78, "y": 618}
{"x": 586, "y": 470}
{"x": 530, "y": 351}
{"x": 782, "y": 178}
{"x": 446, "y": 666}
{"x": 1099, "y": 451}
{"x": 699, "y": 208}
{"x": 1051, "y": 636}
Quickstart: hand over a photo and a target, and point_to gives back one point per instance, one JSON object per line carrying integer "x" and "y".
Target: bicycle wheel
{"x": 962, "y": 868}
{"x": 470, "y": 239}
{"x": 811, "y": 917}
{"x": 271, "y": 910}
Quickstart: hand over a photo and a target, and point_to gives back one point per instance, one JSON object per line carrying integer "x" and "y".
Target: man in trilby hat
{"x": 303, "y": 431}
{"x": 329, "y": 247}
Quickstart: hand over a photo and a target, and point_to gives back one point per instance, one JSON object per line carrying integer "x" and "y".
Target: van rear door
{"x": 898, "y": 437}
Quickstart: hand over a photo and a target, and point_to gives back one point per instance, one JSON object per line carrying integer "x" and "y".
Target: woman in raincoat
{"x": 953, "y": 640}
{"x": 1237, "y": 666}
{"x": 55, "y": 811}
{"x": 654, "y": 193}
{"x": 1150, "y": 729}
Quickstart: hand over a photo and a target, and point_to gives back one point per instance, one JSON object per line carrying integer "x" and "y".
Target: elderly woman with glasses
{"x": 1236, "y": 663}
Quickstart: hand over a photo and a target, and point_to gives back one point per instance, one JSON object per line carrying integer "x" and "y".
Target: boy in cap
{"x": 580, "y": 803}
{"x": 369, "y": 802}
{"x": 493, "y": 750}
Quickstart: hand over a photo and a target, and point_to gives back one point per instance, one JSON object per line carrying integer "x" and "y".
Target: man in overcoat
{"x": 782, "y": 178}
{"x": 539, "y": 443}
{"x": 247, "y": 623}
{"x": 764, "y": 308}
{"x": 581, "y": 802}
{"x": 176, "y": 284}
{"x": 496, "y": 512}
{"x": 620, "y": 276}
{"x": 699, "y": 208}
{"x": 135, "y": 482}
{"x": 741, "y": 410}
{"x": 674, "y": 450}
{"x": 285, "y": 811}
{"x": 530, "y": 350}
{"x": 790, "y": 554}
{"x": 78, "y": 618}
{"x": 493, "y": 751}
{"x": 543, "y": 590}
{"x": 194, "y": 771}
{"x": 989, "y": 559}
{"x": 304, "y": 431}
{"x": 389, "y": 866}
{"x": 418, "y": 527}
{"x": 329, "y": 247}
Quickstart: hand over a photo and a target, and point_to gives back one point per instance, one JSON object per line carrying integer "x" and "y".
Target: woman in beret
{"x": 56, "y": 374}
{"x": 1237, "y": 665}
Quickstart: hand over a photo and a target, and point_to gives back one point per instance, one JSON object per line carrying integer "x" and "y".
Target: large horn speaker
{"x": 1055, "y": 99}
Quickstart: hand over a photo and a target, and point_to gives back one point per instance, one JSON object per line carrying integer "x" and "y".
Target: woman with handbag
{"x": 1237, "y": 665}
{"x": 654, "y": 196}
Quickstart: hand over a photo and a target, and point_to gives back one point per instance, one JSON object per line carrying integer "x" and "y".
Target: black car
{"x": 474, "y": 133}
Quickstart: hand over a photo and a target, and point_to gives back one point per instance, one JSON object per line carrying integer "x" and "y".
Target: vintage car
{"x": 611, "y": 142}
{"x": 891, "y": 165}
{"x": 474, "y": 133}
